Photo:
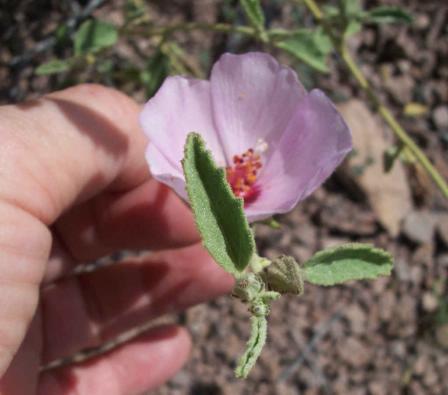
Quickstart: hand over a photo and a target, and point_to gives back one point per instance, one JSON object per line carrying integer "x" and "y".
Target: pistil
{"x": 242, "y": 174}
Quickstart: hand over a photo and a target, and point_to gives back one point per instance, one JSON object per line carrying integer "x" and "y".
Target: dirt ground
{"x": 388, "y": 336}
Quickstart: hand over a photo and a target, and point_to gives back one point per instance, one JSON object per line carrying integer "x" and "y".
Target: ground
{"x": 388, "y": 336}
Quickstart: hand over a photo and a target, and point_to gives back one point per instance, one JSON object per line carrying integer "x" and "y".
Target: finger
{"x": 26, "y": 362}
{"x": 148, "y": 217}
{"x": 111, "y": 300}
{"x": 143, "y": 364}
{"x": 68, "y": 146}
{"x": 24, "y": 247}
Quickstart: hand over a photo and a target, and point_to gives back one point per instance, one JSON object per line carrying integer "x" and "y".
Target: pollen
{"x": 242, "y": 174}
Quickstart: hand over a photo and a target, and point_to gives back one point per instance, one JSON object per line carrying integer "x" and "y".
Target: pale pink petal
{"x": 314, "y": 143}
{"x": 164, "y": 171}
{"x": 253, "y": 97}
{"x": 181, "y": 105}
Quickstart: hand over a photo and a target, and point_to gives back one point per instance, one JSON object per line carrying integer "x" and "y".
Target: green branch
{"x": 397, "y": 129}
{"x": 151, "y": 30}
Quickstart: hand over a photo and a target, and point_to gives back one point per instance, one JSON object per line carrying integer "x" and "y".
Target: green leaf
{"x": 94, "y": 35}
{"x": 218, "y": 213}
{"x": 354, "y": 261}
{"x": 352, "y": 27}
{"x": 390, "y": 155}
{"x": 54, "y": 67}
{"x": 388, "y": 14}
{"x": 310, "y": 46}
{"x": 133, "y": 9}
{"x": 254, "y": 13}
{"x": 346, "y": 18}
{"x": 155, "y": 71}
{"x": 350, "y": 8}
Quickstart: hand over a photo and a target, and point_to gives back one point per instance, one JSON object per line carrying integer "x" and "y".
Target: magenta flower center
{"x": 242, "y": 175}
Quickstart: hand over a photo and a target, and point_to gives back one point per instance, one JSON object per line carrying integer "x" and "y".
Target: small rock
{"x": 387, "y": 303}
{"x": 400, "y": 87}
{"x": 305, "y": 233}
{"x": 354, "y": 352}
{"x": 389, "y": 194}
{"x": 301, "y": 253}
{"x": 398, "y": 348}
{"x": 420, "y": 364}
{"x": 181, "y": 380}
{"x": 419, "y": 226}
{"x": 422, "y": 21}
{"x": 442, "y": 227}
{"x": 440, "y": 117}
{"x": 357, "y": 318}
{"x": 330, "y": 242}
{"x": 442, "y": 260}
{"x": 377, "y": 388}
{"x": 430, "y": 377}
{"x": 284, "y": 389}
{"x": 442, "y": 335}
{"x": 429, "y": 302}
{"x": 401, "y": 269}
{"x": 415, "y": 388}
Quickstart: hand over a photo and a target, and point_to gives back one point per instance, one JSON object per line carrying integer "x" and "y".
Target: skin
{"x": 75, "y": 186}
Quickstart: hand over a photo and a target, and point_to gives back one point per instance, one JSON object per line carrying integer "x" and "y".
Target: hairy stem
{"x": 397, "y": 129}
{"x": 259, "y": 328}
{"x": 150, "y": 30}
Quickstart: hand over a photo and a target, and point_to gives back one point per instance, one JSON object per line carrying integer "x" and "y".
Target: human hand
{"x": 74, "y": 186}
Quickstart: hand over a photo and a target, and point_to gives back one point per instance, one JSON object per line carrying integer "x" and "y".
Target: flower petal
{"x": 253, "y": 97}
{"x": 314, "y": 143}
{"x": 181, "y": 105}
{"x": 164, "y": 171}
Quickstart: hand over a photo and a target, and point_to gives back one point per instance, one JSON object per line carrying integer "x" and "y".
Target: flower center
{"x": 242, "y": 175}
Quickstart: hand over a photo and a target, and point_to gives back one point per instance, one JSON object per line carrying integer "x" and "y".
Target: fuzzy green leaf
{"x": 388, "y": 14}
{"x": 310, "y": 46}
{"x": 254, "y": 13}
{"x": 218, "y": 213}
{"x": 354, "y": 261}
{"x": 94, "y": 35}
{"x": 54, "y": 67}
{"x": 350, "y": 8}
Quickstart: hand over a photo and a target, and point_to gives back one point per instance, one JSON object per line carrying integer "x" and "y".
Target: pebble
{"x": 442, "y": 227}
{"x": 442, "y": 335}
{"x": 420, "y": 364}
{"x": 442, "y": 260}
{"x": 419, "y": 226}
{"x": 400, "y": 87}
{"x": 429, "y": 302}
{"x": 357, "y": 318}
{"x": 354, "y": 352}
{"x": 440, "y": 117}
{"x": 377, "y": 388}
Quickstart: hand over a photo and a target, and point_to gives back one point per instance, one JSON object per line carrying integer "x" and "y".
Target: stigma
{"x": 242, "y": 174}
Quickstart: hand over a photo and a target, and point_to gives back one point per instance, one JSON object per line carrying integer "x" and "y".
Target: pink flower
{"x": 277, "y": 142}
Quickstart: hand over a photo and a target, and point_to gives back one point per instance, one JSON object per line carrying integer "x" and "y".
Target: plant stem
{"x": 400, "y": 133}
{"x": 259, "y": 328}
{"x": 189, "y": 26}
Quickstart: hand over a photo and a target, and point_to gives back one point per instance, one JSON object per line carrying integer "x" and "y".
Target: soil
{"x": 388, "y": 336}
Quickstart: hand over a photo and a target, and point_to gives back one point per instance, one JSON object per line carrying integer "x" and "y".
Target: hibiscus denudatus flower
{"x": 276, "y": 141}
